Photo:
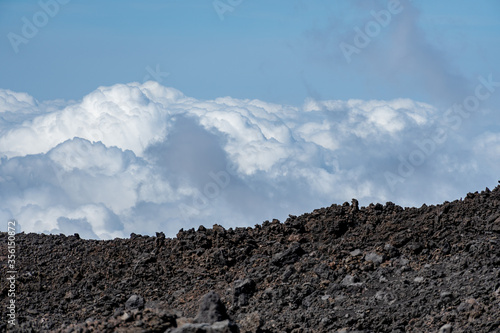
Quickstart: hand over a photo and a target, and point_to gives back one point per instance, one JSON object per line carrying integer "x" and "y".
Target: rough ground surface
{"x": 379, "y": 268}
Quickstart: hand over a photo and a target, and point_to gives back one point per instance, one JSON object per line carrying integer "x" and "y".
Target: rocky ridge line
{"x": 380, "y": 268}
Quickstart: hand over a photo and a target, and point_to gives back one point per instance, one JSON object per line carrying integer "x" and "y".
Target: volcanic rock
{"x": 343, "y": 268}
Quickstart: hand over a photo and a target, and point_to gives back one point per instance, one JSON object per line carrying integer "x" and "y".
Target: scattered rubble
{"x": 344, "y": 268}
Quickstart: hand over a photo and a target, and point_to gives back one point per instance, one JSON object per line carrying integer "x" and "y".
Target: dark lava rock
{"x": 288, "y": 256}
{"x": 134, "y": 302}
{"x": 343, "y": 268}
{"x": 211, "y": 309}
{"x": 219, "y": 327}
{"x": 243, "y": 289}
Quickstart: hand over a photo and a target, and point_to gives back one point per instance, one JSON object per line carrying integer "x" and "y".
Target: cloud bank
{"x": 144, "y": 158}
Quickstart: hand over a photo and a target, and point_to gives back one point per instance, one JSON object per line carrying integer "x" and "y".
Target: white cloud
{"x": 489, "y": 144}
{"x": 144, "y": 158}
{"x": 121, "y": 116}
{"x": 11, "y": 101}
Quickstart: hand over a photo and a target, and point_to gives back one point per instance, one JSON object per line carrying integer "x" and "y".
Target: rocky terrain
{"x": 344, "y": 268}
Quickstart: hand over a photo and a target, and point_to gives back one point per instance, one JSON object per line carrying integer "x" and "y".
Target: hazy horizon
{"x": 143, "y": 117}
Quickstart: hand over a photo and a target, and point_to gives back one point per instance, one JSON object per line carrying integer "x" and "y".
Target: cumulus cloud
{"x": 144, "y": 158}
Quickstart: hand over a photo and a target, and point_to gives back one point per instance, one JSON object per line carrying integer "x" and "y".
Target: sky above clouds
{"x": 154, "y": 116}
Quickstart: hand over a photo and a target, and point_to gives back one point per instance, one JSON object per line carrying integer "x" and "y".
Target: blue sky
{"x": 278, "y": 51}
{"x": 144, "y": 116}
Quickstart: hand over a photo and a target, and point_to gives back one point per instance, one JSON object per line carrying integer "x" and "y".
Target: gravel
{"x": 343, "y": 268}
